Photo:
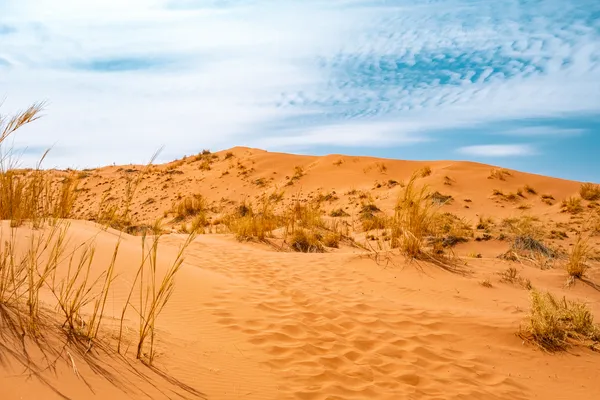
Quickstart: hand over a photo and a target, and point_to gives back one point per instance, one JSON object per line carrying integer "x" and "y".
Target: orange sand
{"x": 248, "y": 322}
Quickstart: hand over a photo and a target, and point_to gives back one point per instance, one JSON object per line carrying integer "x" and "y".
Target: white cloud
{"x": 376, "y": 134}
{"x": 541, "y": 131}
{"x": 362, "y": 74}
{"x": 498, "y": 150}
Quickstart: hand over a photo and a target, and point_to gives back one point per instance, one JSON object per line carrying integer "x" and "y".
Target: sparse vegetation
{"x": 577, "y": 264}
{"x": 572, "y": 205}
{"x": 485, "y": 223}
{"x": 298, "y": 173}
{"x": 246, "y": 224}
{"x": 338, "y": 212}
{"x": 425, "y": 171}
{"x": 190, "y": 206}
{"x": 371, "y": 217}
{"x": 554, "y": 324}
{"x": 486, "y": 283}
{"x": 306, "y": 241}
{"x": 48, "y": 263}
{"x": 440, "y": 199}
{"x": 332, "y": 239}
{"x": 154, "y": 293}
{"x": 381, "y": 167}
{"x": 448, "y": 181}
{"x": 511, "y": 275}
{"x": 548, "y": 199}
{"x": 500, "y": 174}
{"x": 530, "y": 190}
{"x": 416, "y": 223}
{"x": 590, "y": 191}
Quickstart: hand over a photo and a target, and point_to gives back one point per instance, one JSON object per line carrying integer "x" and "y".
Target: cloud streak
{"x": 498, "y": 150}
{"x": 124, "y": 78}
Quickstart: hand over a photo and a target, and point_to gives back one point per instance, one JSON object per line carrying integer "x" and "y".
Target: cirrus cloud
{"x": 498, "y": 150}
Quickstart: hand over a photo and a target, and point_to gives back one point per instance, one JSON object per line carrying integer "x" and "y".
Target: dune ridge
{"x": 254, "y": 320}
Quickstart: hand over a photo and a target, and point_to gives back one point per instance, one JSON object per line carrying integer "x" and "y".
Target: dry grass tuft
{"x": 425, "y": 171}
{"x": 530, "y": 190}
{"x": 417, "y": 223}
{"x": 190, "y": 206}
{"x": 548, "y": 199}
{"x": 298, "y": 173}
{"x": 580, "y": 253}
{"x": 247, "y": 224}
{"x": 47, "y": 262}
{"x": 572, "y": 205}
{"x": 306, "y": 241}
{"x": 153, "y": 293}
{"x": 371, "y": 217}
{"x": 499, "y": 174}
{"x": 511, "y": 275}
{"x": 590, "y": 191}
{"x": 441, "y": 199}
{"x": 486, "y": 283}
{"x": 338, "y": 212}
{"x": 332, "y": 239}
{"x": 553, "y": 324}
{"x": 413, "y": 220}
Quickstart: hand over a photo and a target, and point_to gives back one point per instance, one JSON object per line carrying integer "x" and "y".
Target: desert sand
{"x": 254, "y": 320}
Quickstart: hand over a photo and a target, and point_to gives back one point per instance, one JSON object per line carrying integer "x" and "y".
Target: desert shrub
{"x": 199, "y": 222}
{"x": 381, "y": 167}
{"x": 298, "y": 173}
{"x": 205, "y": 165}
{"x": 338, "y": 212}
{"x": 590, "y": 191}
{"x": 451, "y": 229}
{"x": 332, "y": 239}
{"x": 527, "y": 243}
{"x": 246, "y": 224}
{"x": 448, "y": 181}
{"x": 371, "y": 218}
{"x": 554, "y": 323}
{"x": 439, "y": 198}
{"x": 486, "y": 283}
{"x": 572, "y": 205}
{"x": 548, "y": 199}
{"x": 299, "y": 215}
{"x": 425, "y": 171}
{"x": 530, "y": 190}
{"x": 524, "y": 226}
{"x": 306, "y": 241}
{"x": 511, "y": 275}
{"x": 527, "y": 234}
{"x": 276, "y": 196}
{"x": 579, "y": 254}
{"x": 484, "y": 223}
{"x": 329, "y": 197}
{"x": 499, "y": 174}
{"x": 190, "y": 206}
{"x": 415, "y": 222}
{"x": 392, "y": 183}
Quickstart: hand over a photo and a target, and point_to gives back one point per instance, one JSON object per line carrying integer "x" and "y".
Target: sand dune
{"x": 247, "y": 321}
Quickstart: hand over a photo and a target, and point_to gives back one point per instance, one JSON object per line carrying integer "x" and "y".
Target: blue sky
{"x": 507, "y": 82}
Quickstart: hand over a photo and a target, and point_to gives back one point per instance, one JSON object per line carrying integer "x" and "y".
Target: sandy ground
{"x": 249, "y": 322}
